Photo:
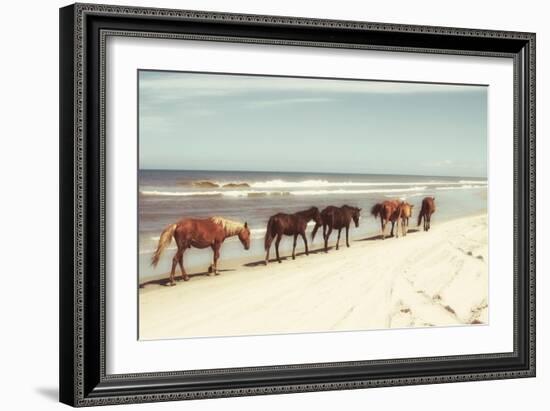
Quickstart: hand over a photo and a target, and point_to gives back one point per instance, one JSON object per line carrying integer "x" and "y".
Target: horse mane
{"x": 309, "y": 210}
{"x": 349, "y": 207}
{"x": 230, "y": 227}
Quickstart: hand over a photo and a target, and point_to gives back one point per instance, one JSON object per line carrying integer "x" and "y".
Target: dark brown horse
{"x": 389, "y": 211}
{"x": 426, "y": 211}
{"x": 289, "y": 224}
{"x": 203, "y": 233}
{"x": 337, "y": 218}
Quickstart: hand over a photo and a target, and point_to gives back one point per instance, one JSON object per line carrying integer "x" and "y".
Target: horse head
{"x": 244, "y": 236}
{"x": 356, "y": 213}
{"x": 316, "y": 216}
{"x": 406, "y": 209}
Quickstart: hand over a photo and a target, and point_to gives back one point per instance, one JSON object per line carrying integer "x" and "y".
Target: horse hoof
{"x": 186, "y": 278}
{"x": 171, "y": 284}
{"x": 209, "y": 269}
{"x": 279, "y": 261}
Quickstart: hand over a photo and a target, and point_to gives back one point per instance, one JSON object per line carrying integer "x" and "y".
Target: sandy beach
{"x": 434, "y": 278}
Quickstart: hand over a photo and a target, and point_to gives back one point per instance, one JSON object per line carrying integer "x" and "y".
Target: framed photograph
{"x": 262, "y": 204}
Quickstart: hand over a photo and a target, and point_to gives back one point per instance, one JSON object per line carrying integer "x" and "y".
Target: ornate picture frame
{"x": 84, "y": 29}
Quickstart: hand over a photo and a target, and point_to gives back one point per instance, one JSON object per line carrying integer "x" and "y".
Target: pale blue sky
{"x": 196, "y": 121}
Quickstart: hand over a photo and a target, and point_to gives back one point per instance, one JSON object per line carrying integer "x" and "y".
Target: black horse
{"x": 289, "y": 224}
{"x": 337, "y": 218}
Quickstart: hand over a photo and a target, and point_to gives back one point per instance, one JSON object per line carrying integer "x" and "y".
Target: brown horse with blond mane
{"x": 199, "y": 233}
{"x": 392, "y": 211}
{"x": 426, "y": 211}
{"x": 289, "y": 224}
{"x": 406, "y": 213}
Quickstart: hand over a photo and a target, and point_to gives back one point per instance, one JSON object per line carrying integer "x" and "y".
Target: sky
{"x": 204, "y": 121}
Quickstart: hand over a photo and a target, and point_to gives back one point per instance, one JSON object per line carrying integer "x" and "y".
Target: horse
{"x": 199, "y": 233}
{"x": 289, "y": 224}
{"x": 426, "y": 211}
{"x": 337, "y": 218}
{"x": 406, "y": 213}
{"x": 389, "y": 211}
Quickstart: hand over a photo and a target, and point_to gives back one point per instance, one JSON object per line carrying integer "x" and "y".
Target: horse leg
{"x": 216, "y": 248}
{"x": 267, "y": 256}
{"x": 429, "y": 219}
{"x": 303, "y": 234}
{"x": 277, "y": 241}
{"x": 211, "y": 266}
{"x": 294, "y": 247}
{"x": 180, "y": 261}
{"x": 173, "y": 271}
{"x": 338, "y": 239}
{"x": 392, "y": 226}
{"x": 175, "y": 262}
{"x": 329, "y": 231}
{"x": 268, "y": 248}
{"x": 347, "y": 235}
{"x": 398, "y": 223}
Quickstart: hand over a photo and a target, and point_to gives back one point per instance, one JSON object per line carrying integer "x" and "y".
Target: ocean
{"x": 166, "y": 196}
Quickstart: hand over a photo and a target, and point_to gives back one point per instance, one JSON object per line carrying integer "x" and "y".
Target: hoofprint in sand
{"x": 434, "y": 278}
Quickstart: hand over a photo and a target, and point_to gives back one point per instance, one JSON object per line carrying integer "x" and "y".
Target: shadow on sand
{"x": 286, "y": 257}
{"x": 166, "y": 280}
{"x": 379, "y": 236}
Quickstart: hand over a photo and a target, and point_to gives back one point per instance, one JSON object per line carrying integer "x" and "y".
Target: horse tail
{"x": 164, "y": 241}
{"x": 268, "y": 233}
{"x": 376, "y": 209}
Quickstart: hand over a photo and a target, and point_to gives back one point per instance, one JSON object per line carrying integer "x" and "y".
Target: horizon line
{"x": 309, "y": 172}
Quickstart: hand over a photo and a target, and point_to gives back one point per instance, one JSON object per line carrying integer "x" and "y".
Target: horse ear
{"x": 245, "y": 224}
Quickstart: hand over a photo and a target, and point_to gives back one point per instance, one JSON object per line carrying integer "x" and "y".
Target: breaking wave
{"x": 257, "y": 193}
{"x": 318, "y": 183}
